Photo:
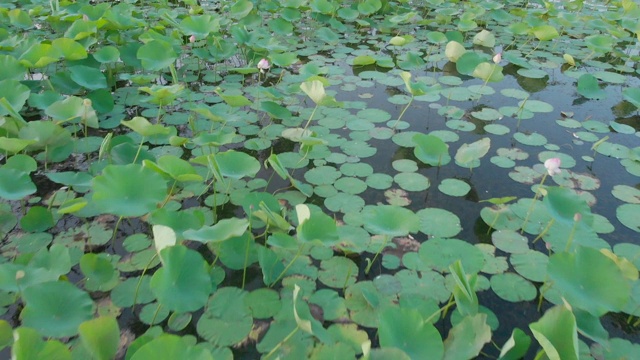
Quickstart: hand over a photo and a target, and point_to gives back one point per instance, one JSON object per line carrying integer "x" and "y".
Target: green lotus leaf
{"x": 318, "y": 228}
{"x": 369, "y": 7}
{"x": 166, "y": 346}
{"x": 628, "y": 214}
{"x": 15, "y": 184}
{"x": 199, "y": 25}
{"x": 390, "y": 220}
{"x": 101, "y": 337}
{"x": 363, "y": 60}
{"x": 156, "y": 55}
{"x": 15, "y": 94}
{"x": 12, "y": 68}
{"x": 489, "y": 72}
{"x": 28, "y": 344}
{"x": 229, "y": 320}
{"x": 223, "y": 230}
{"x": 467, "y": 338}
{"x": 406, "y": 330}
{"x": 563, "y": 204}
{"x": 89, "y": 77}
{"x": 512, "y": 287}
{"x": 143, "y": 127}
{"x": 484, "y": 38}
{"x": 128, "y": 190}
{"x": 183, "y": 282}
{"x": 632, "y": 95}
{"x": 557, "y": 333}
{"x": 431, "y": 150}
{"x": 454, "y": 51}
{"x": 589, "y": 280}
{"x": 236, "y": 164}
{"x": 37, "y": 219}
{"x": 107, "y": 54}
{"x": 468, "y": 153}
{"x": 588, "y": 87}
{"x": 99, "y": 272}
{"x": 440, "y": 253}
{"x": 464, "y": 291}
{"x": 600, "y": 43}
{"x": 39, "y": 55}
{"x": 516, "y": 347}
{"x": 49, "y": 303}
{"x": 176, "y": 168}
{"x": 545, "y": 32}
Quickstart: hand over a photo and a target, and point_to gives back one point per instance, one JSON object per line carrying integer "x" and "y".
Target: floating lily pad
{"x": 626, "y": 193}
{"x": 48, "y": 302}
{"x": 454, "y": 187}
{"x": 439, "y": 253}
{"x": 533, "y": 139}
{"x": 412, "y": 181}
{"x": 513, "y": 287}
{"x": 629, "y": 216}
{"x": 510, "y": 241}
{"x": 530, "y": 264}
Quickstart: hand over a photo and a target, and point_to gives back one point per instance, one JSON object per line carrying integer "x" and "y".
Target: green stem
{"x": 545, "y": 231}
{"x": 533, "y": 203}
{"x": 570, "y": 240}
{"x": 384, "y": 244}
{"x": 402, "y": 113}
{"x": 139, "y": 150}
{"x": 539, "y": 355}
{"x": 174, "y": 74}
{"x": 310, "y": 117}
{"x": 287, "y": 267}
{"x": 115, "y": 230}
{"x": 449, "y": 304}
{"x": 166, "y": 200}
{"x": 153, "y": 320}
{"x": 144, "y": 271}
{"x": 282, "y": 342}
{"x": 246, "y": 259}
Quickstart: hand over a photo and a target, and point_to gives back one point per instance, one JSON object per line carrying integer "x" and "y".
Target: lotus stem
{"x": 246, "y": 258}
{"x": 287, "y": 267}
{"x": 571, "y": 234}
{"x": 144, "y": 271}
{"x": 444, "y": 309}
{"x": 153, "y": 320}
{"x": 403, "y": 111}
{"x": 293, "y": 332}
{"x": 533, "y": 203}
{"x": 139, "y": 150}
{"x": 174, "y": 74}
{"x": 310, "y": 117}
{"x": 544, "y": 232}
{"x": 384, "y": 244}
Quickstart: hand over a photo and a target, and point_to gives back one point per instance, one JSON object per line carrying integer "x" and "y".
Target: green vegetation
{"x": 319, "y": 179}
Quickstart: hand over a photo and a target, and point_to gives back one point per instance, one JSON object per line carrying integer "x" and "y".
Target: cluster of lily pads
{"x": 254, "y": 179}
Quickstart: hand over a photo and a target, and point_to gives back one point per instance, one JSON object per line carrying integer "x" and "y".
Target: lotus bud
{"x": 263, "y": 65}
{"x": 192, "y": 39}
{"x": 553, "y": 166}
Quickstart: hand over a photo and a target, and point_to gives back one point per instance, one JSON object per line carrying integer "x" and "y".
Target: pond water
{"x": 167, "y": 196}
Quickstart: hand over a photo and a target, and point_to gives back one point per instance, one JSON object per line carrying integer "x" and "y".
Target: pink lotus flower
{"x": 553, "y": 166}
{"x": 192, "y": 39}
{"x": 263, "y": 65}
{"x": 497, "y": 58}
